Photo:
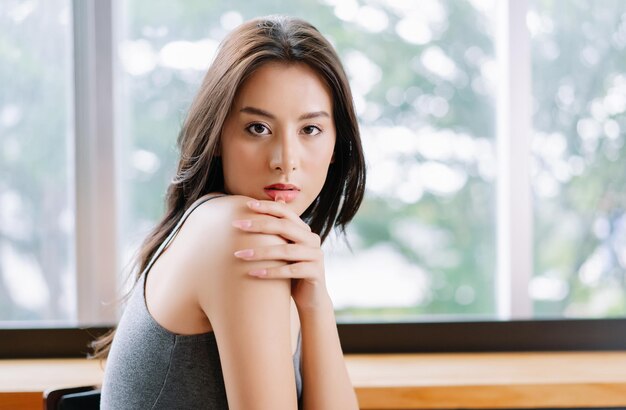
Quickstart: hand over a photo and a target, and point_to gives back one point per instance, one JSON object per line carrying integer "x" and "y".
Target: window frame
{"x": 514, "y": 128}
{"x": 95, "y": 196}
{"x": 434, "y": 337}
{"x": 96, "y": 202}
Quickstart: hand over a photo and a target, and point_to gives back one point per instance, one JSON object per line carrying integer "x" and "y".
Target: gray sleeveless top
{"x": 150, "y": 367}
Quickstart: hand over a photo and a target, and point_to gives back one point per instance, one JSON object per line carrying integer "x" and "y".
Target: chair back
{"x": 83, "y": 398}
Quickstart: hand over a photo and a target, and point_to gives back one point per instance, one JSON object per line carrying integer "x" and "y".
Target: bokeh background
{"x": 424, "y": 76}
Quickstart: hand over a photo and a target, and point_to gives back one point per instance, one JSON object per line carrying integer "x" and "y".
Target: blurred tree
{"x": 579, "y": 177}
{"x": 35, "y": 168}
{"x": 422, "y": 74}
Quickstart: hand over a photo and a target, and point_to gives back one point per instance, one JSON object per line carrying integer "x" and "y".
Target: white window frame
{"x": 513, "y": 134}
{"x": 94, "y": 162}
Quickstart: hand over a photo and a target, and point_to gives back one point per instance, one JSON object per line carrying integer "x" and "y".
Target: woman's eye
{"x": 258, "y": 129}
{"x": 311, "y": 130}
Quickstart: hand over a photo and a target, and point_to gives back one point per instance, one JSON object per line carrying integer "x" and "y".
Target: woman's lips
{"x": 286, "y": 195}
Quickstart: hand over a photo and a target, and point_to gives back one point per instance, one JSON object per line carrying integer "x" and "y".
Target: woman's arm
{"x": 324, "y": 374}
{"x": 251, "y": 319}
{"x": 326, "y": 384}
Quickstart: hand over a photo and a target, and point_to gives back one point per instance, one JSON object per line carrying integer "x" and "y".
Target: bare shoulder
{"x": 213, "y": 233}
{"x": 212, "y": 240}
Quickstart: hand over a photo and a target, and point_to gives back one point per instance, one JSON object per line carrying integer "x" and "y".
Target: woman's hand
{"x": 304, "y": 257}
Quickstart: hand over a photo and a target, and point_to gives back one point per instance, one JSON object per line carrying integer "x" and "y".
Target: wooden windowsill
{"x": 489, "y": 380}
{"x": 400, "y": 381}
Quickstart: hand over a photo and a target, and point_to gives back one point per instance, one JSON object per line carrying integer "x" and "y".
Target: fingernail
{"x": 244, "y": 253}
{"x": 258, "y": 273}
{"x": 244, "y": 223}
{"x": 254, "y": 204}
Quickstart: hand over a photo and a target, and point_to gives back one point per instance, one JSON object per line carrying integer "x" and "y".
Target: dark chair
{"x": 83, "y": 398}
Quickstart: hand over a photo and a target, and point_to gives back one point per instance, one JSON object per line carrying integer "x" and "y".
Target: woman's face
{"x": 280, "y": 130}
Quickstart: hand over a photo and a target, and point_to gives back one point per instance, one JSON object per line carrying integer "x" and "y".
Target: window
{"x": 495, "y": 147}
{"x": 37, "y": 216}
{"x": 578, "y": 158}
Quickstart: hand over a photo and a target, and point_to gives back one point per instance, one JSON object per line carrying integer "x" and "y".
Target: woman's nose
{"x": 284, "y": 156}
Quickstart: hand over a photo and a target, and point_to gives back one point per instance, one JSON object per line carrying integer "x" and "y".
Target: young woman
{"x": 230, "y": 308}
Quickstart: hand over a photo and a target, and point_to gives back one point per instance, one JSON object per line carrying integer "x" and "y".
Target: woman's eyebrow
{"x": 315, "y": 114}
{"x": 257, "y": 111}
{"x": 263, "y": 113}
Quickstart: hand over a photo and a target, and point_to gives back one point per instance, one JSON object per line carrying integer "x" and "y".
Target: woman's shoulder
{"x": 216, "y": 206}
{"x": 212, "y": 221}
{"x": 220, "y": 278}
{"x": 212, "y": 239}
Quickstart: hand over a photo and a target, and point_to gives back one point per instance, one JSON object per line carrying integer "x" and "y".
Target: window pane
{"x": 579, "y": 157}
{"x": 422, "y": 76}
{"x": 424, "y": 239}
{"x": 36, "y": 213}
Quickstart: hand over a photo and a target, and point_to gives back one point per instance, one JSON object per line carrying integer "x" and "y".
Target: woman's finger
{"x": 278, "y": 209}
{"x": 285, "y": 252}
{"x": 300, "y": 270}
{"x": 278, "y": 226}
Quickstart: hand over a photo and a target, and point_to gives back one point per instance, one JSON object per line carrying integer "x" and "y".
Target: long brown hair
{"x": 245, "y": 49}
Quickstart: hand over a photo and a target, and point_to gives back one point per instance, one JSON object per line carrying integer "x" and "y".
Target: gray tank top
{"x": 150, "y": 367}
